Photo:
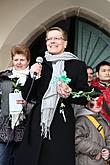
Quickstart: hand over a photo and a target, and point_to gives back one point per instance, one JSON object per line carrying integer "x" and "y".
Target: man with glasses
{"x": 49, "y": 135}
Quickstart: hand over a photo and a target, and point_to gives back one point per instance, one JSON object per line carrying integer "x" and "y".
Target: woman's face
{"x": 55, "y": 42}
{"x": 20, "y": 62}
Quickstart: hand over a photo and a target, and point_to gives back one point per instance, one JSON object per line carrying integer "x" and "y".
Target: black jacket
{"x": 60, "y": 149}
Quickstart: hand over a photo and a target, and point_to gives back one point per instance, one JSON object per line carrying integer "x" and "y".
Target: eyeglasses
{"x": 54, "y": 38}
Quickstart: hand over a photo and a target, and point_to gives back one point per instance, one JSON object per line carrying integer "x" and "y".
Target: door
{"x": 92, "y": 45}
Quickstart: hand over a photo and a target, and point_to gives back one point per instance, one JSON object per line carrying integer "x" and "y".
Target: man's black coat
{"x": 60, "y": 150}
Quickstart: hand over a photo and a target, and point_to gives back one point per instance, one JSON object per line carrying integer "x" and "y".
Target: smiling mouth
{"x": 19, "y": 66}
{"x": 53, "y": 47}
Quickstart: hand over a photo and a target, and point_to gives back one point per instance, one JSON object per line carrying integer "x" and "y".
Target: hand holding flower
{"x": 63, "y": 89}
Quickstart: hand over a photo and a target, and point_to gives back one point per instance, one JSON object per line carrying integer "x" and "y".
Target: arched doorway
{"x": 85, "y": 39}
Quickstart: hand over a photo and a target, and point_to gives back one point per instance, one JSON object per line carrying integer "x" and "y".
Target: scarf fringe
{"x": 45, "y": 131}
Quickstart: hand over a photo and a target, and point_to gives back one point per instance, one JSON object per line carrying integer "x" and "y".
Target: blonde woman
{"x": 10, "y": 138}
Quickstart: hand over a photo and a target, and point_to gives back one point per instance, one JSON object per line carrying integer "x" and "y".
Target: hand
{"x": 36, "y": 68}
{"x": 63, "y": 89}
{"x": 105, "y": 153}
{"x": 98, "y": 156}
{"x": 21, "y": 101}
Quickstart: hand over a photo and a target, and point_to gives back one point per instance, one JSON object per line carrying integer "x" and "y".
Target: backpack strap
{"x": 96, "y": 124}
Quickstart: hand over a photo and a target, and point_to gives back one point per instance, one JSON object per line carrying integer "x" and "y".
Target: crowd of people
{"x": 46, "y": 131}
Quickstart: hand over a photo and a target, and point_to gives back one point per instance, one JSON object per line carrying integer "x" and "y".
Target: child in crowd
{"x": 92, "y": 136}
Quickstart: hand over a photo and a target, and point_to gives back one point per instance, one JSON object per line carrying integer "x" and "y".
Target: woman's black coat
{"x": 60, "y": 149}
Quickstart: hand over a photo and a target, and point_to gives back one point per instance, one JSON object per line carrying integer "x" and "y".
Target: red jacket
{"x": 106, "y": 93}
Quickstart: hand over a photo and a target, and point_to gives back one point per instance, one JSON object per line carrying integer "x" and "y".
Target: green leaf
{"x": 63, "y": 77}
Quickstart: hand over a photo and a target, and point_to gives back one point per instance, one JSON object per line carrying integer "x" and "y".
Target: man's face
{"x": 90, "y": 74}
{"x": 104, "y": 73}
{"x": 55, "y": 42}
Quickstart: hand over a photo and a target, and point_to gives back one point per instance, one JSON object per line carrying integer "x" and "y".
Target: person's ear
{"x": 65, "y": 44}
{"x": 97, "y": 74}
